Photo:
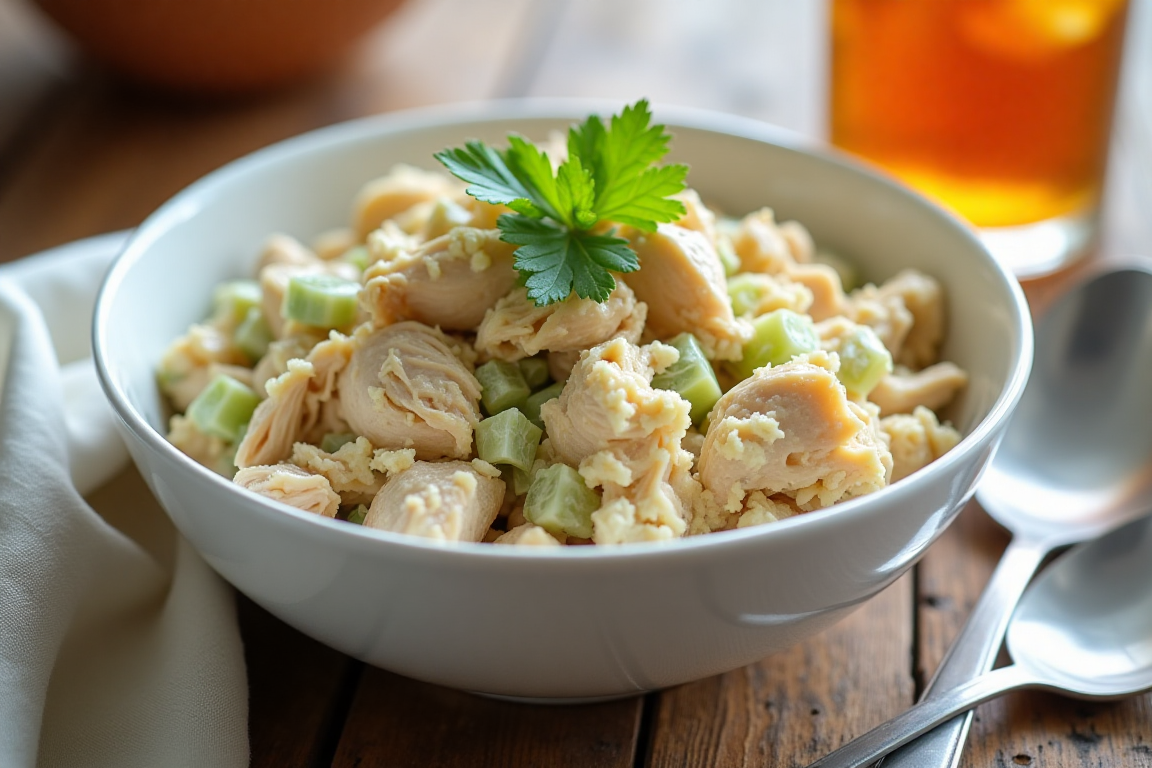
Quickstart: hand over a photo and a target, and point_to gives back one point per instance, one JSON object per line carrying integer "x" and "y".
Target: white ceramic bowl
{"x": 582, "y": 622}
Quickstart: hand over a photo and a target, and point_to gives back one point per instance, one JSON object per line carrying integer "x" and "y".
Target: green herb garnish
{"x": 609, "y": 176}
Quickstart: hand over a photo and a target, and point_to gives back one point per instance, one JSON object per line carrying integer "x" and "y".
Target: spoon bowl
{"x": 1084, "y": 629}
{"x": 1086, "y": 624}
{"x": 1075, "y": 459}
{"x": 1075, "y": 462}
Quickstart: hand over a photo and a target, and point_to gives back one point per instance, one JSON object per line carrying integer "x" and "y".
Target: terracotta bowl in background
{"x": 216, "y": 46}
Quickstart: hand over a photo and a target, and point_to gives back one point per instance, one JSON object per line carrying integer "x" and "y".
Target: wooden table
{"x": 81, "y": 154}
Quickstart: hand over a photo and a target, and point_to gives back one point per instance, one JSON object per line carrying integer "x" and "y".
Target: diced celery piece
{"x": 745, "y": 292}
{"x": 691, "y": 377}
{"x": 253, "y": 335}
{"x": 334, "y": 441}
{"x": 535, "y": 372}
{"x": 517, "y": 480}
{"x": 358, "y": 256}
{"x": 560, "y": 502}
{"x": 777, "y": 337}
{"x": 728, "y": 257}
{"x": 356, "y": 516}
{"x": 223, "y": 408}
{"x": 232, "y": 300}
{"x": 508, "y": 438}
{"x": 863, "y": 361}
{"x": 535, "y": 400}
{"x": 323, "y": 301}
{"x": 502, "y": 386}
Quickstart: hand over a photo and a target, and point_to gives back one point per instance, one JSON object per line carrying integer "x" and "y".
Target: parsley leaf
{"x": 608, "y": 177}
{"x": 562, "y": 261}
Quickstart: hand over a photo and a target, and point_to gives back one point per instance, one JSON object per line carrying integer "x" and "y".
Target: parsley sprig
{"x": 560, "y": 219}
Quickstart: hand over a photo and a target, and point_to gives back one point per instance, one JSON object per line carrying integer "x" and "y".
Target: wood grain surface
{"x": 81, "y": 153}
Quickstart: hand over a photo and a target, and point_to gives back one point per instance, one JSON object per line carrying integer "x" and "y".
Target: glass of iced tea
{"x": 1001, "y": 109}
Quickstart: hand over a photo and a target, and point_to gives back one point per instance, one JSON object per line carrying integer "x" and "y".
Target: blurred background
{"x": 308, "y": 64}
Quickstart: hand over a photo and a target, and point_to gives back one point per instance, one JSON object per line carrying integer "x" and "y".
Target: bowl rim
{"x": 184, "y": 204}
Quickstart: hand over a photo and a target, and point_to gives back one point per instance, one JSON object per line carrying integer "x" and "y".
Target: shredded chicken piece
{"x": 624, "y": 435}
{"x": 404, "y": 388}
{"x": 391, "y": 195}
{"x": 884, "y": 313}
{"x": 760, "y": 509}
{"x": 516, "y": 328}
{"x": 206, "y": 450}
{"x": 450, "y": 282}
{"x": 916, "y": 440}
{"x": 333, "y": 243}
{"x": 447, "y": 501}
{"x": 792, "y": 429}
{"x": 697, "y": 216}
{"x": 828, "y": 299}
{"x": 275, "y": 360}
{"x": 924, "y": 299}
{"x": 287, "y": 251}
{"x": 293, "y": 410}
{"x": 765, "y": 246}
{"x": 291, "y": 485}
{"x": 933, "y": 387}
{"x": 528, "y": 535}
{"x": 348, "y": 469}
{"x": 682, "y": 281}
{"x": 560, "y": 364}
{"x": 193, "y": 360}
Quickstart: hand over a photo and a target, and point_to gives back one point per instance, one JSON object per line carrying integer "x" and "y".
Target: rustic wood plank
{"x": 395, "y": 721}
{"x": 1025, "y": 728}
{"x": 794, "y": 707}
{"x": 300, "y": 691}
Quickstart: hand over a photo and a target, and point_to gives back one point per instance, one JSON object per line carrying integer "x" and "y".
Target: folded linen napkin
{"x": 118, "y": 645}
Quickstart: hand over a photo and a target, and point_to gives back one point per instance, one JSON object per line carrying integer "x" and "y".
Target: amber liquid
{"x": 999, "y": 108}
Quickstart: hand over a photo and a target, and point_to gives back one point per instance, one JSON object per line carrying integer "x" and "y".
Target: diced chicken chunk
{"x": 681, "y": 279}
{"x": 291, "y": 485}
{"x": 516, "y": 328}
{"x": 299, "y": 405}
{"x": 391, "y": 195}
{"x": 933, "y": 387}
{"x": 528, "y": 535}
{"x": 624, "y": 435}
{"x": 916, "y": 440}
{"x": 404, "y": 388}
{"x": 792, "y": 429}
{"x": 446, "y": 501}
{"x": 765, "y": 246}
{"x": 448, "y": 282}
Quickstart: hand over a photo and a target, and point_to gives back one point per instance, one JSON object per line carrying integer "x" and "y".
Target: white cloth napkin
{"x": 118, "y": 645}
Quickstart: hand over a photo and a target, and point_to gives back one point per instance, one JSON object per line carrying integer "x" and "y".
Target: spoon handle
{"x": 973, "y": 653}
{"x": 901, "y": 729}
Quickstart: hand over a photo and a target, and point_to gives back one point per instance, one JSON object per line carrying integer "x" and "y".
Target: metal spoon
{"x": 1084, "y": 628}
{"x": 1076, "y": 462}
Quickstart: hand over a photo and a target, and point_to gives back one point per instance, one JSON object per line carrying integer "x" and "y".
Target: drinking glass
{"x": 1001, "y": 109}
